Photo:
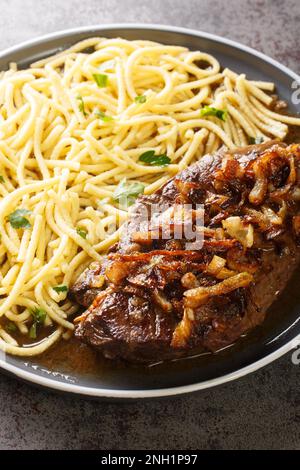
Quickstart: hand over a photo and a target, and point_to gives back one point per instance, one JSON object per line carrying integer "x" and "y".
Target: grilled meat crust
{"x": 156, "y": 299}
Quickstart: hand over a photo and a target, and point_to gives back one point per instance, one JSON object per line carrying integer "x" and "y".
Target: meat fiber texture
{"x": 153, "y": 299}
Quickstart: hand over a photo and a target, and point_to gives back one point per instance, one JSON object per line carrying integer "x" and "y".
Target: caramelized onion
{"x": 231, "y": 168}
{"x": 200, "y": 295}
{"x": 260, "y": 187}
{"x": 273, "y": 218}
{"x": 184, "y": 188}
{"x": 240, "y": 230}
{"x": 189, "y": 281}
{"x": 224, "y": 273}
{"x": 217, "y": 268}
{"x": 183, "y": 330}
{"x": 216, "y": 264}
{"x": 258, "y": 218}
{"x": 117, "y": 271}
{"x": 97, "y": 281}
{"x": 160, "y": 299}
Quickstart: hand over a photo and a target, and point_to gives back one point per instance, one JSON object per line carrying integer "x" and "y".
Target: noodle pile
{"x": 72, "y": 130}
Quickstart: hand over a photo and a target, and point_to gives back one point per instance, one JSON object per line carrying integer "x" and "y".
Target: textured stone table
{"x": 259, "y": 411}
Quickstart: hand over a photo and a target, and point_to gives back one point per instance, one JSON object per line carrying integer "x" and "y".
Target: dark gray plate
{"x": 275, "y": 337}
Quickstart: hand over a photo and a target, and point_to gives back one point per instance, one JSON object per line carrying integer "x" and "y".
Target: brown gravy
{"x": 75, "y": 358}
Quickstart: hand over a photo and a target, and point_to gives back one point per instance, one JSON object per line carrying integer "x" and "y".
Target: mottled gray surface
{"x": 259, "y": 411}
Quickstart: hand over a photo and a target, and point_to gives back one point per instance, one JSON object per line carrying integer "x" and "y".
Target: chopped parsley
{"x": 11, "y": 327}
{"x": 126, "y": 194}
{"x": 61, "y": 288}
{"x": 81, "y": 232}
{"x": 103, "y": 117}
{"x": 210, "y": 111}
{"x": 1, "y": 179}
{"x": 39, "y": 317}
{"x": 101, "y": 79}
{"x": 150, "y": 158}
{"x": 81, "y": 106}
{"x": 140, "y": 99}
{"x": 17, "y": 219}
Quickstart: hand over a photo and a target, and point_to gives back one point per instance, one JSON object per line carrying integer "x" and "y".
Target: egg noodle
{"x": 72, "y": 130}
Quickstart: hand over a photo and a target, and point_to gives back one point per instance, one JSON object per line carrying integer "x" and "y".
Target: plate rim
{"x": 85, "y": 391}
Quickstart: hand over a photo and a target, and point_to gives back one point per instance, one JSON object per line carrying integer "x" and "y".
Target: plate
{"x": 275, "y": 337}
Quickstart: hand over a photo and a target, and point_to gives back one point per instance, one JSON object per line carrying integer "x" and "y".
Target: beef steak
{"x": 154, "y": 299}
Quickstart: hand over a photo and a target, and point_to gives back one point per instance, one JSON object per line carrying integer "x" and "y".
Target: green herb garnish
{"x": 39, "y": 317}
{"x": 126, "y": 194}
{"x": 210, "y": 111}
{"x": 101, "y": 79}
{"x": 152, "y": 159}
{"x": 81, "y": 232}
{"x": 59, "y": 289}
{"x": 256, "y": 140}
{"x": 1, "y": 179}
{"x": 17, "y": 219}
{"x": 140, "y": 99}
{"x": 32, "y": 331}
{"x": 11, "y": 327}
{"x": 103, "y": 116}
{"x": 81, "y": 106}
